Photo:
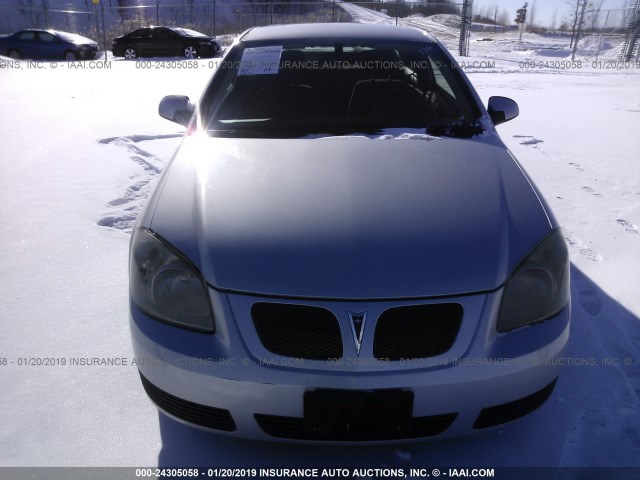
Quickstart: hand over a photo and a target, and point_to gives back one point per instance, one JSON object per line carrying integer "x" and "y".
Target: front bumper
{"x": 227, "y": 382}
{"x": 117, "y": 50}
{"x": 208, "y": 49}
{"x": 87, "y": 52}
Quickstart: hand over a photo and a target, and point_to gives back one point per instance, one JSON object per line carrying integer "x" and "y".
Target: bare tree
{"x": 427, "y": 8}
{"x": 503, "y": 16}
{"x": 532, "y": 13}
{"x": 595, "y": 13}
{"x": 554, "y": 19}
{"x": 45, "y": 10}
{"x": 190, "y": 4}
{"x": 28, "y": 9}
{"x": 495, "y": 10}
{"x": 483, "y": 12}
{"x": 574, "y": 15}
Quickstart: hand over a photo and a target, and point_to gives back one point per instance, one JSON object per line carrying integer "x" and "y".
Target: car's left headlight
{"x": 538, "y": 289}
{"x": 167, "y": 286}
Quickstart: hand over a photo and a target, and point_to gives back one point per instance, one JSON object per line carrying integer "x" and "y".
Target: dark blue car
{"x": 47, "y": 45}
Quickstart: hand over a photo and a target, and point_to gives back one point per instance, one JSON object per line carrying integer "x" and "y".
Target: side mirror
{"x": 176, "y": 108}
{"x": 502, "y": 109}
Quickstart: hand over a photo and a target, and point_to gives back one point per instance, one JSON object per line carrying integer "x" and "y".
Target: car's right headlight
{"x": 538, "y": 289}
{"x": 167, "y": 286}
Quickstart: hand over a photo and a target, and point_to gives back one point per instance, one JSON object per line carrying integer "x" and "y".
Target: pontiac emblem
{"x": 358, "y": 319}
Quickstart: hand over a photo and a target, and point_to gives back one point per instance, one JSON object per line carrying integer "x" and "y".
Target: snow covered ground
{"x": 82, "y": 147}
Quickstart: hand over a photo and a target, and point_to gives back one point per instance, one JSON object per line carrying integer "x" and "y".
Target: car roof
{"x": 347, "y": 31}
{"x": 37, "y": 30}
{"x": 154, "y": 27}
{"x": 42, "y": 30}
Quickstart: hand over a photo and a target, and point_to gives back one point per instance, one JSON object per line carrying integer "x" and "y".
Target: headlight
{"x": 167, "y": 286}
{"x": 539, "y": 287}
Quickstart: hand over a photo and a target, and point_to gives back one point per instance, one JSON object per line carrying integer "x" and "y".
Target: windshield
{"x": 290, "y": 89}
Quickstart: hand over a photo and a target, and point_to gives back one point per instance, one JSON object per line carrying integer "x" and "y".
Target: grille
{"x": 499, "y": 414}
{"x": 294, "y": 428}
{"x": 417, "y": 331}
{"x": 298, "y": 331}
{"x": 209, "y": 417}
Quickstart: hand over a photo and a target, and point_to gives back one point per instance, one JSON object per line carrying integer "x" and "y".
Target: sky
{"x": 544, "y": 8}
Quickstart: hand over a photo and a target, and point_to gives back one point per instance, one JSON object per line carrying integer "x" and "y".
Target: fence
{"x": 103, "y": 20}
{"x": 211, "y": 17}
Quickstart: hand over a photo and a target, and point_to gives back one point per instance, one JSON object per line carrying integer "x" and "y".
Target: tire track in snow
{"x": 124, "y": 209}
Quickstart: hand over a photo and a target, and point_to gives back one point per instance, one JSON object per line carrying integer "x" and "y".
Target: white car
{"x": 343, "y": 249}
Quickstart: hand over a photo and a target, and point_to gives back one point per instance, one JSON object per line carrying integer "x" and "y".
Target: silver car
{"x": 343, "y": 249}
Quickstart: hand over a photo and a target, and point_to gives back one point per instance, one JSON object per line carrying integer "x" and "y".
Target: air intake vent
{"x": 298, "y": 331}
{"x": 294, "y": 428}
{"x": 417, "y": 331}
{"x": 203, "y": 415}
{"x": 492, "y": 416}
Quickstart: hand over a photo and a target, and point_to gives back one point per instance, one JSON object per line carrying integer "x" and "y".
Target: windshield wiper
{"x": 338, "y": 127}
{"x": 235, "y": 132}
{"x": 292, "y": 128}
{"x": 455, "y": 129}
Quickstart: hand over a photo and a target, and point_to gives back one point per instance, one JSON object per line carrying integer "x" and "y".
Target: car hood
{"x": 351, "y": 217}
{"x": 77, "y": 39}
{"x": 203, "y": 39}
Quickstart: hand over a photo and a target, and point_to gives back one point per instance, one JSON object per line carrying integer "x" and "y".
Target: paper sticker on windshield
{"x": 260, "y": 61}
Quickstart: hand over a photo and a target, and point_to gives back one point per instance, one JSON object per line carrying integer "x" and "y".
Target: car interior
{"x": 359, "y": 83}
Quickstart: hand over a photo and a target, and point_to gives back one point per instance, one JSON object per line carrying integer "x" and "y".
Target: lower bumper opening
{"x": 294, "y": 428}
{"x": 203, "y": 415}
{"x": 365, "y": 406}
{"x": 499, "y": 414}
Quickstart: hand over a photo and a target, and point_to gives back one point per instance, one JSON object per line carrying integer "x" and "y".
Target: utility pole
{"x": 97, "y": 12}
{"x": 465, "y": 27}
{"x": 604, "y": 29}
{"x": 46, "y": 14}
{"x": 397, "y": 11}
{"x": 579, "y": 31}
{"x": 104, "y": 31}
{"x": 213, "y": 17}
{"x": 630, "y": 46}
{"x": 253, "y": 10}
